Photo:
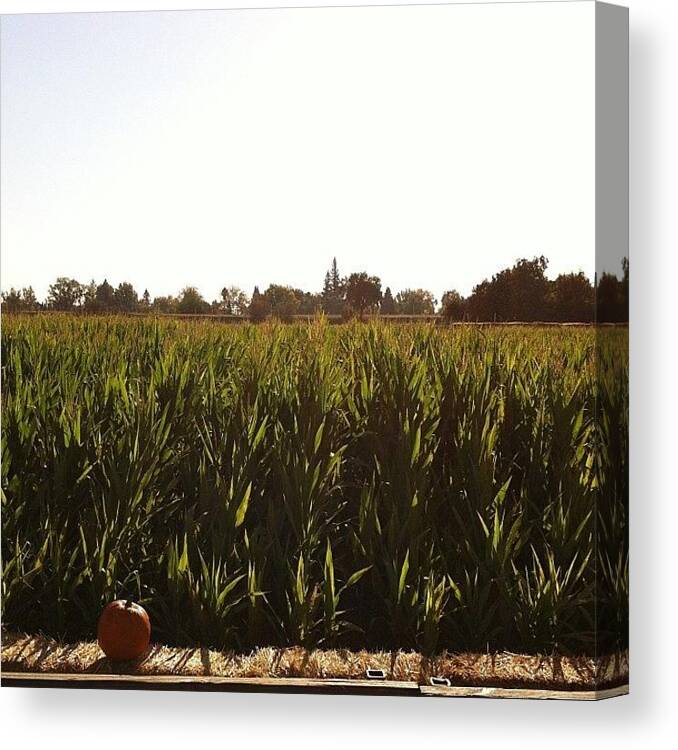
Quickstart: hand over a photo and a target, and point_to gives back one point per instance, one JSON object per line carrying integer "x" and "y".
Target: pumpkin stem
{"x": 128, "y": 603}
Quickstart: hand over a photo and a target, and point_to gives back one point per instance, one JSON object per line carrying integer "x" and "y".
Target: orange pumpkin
{"x": 124, "y": 630}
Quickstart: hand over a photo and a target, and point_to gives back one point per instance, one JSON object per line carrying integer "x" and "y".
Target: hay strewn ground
{"x": 24, "y": 653}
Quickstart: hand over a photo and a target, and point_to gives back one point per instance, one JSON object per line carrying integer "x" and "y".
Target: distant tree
{"x": 335, "y": 277}
{"x": 519, "y": 293}
{"x": 282, "y": 302}
{"x": 387, "y": 306}
{"x": 333, "y": 291}
{"x": 363, "y": 292}
{"x": 607, "y": 298}
{"x": 65, "y": 294}
{"x": 625, "y": 300}
{"x": 12, "y": 301}
{"x": 19, "y": 300}
{"x": 145, "y": 300}
{"x": 481, "y": 304}
{"x": 125, "y": 298}
{"x": 452, "y": 306}
{"x": 89, "y": 298}
{"x": 612, "y": 296}
{"x": 309, "y": 303}
{"x": 527, "y": 290}
{"x": 105, "y": 297}
{"x": 259, "y": 308}
{"x": 571, "y": 299}
{"x": 415, "y": 302}
{"x": 29, "y": 299}
{"x": 233, "y": 301}
{"x": 165, "y": 305}
{"x": 191, "y": 302}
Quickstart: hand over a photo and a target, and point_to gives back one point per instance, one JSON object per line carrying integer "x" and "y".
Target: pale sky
{"x": 431, "y": 145}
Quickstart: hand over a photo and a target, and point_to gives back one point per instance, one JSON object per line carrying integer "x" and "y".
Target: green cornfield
{"x": 363, "y": 485}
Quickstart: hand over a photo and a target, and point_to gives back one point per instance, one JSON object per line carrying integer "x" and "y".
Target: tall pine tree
{"x": 388, "y": 303}
{"x": 333, "y": 291}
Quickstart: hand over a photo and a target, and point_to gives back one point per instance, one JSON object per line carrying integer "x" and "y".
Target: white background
{"x": 646, "y": 718}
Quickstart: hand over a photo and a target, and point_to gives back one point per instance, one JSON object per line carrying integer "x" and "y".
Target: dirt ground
{"x": 35, "y": 653}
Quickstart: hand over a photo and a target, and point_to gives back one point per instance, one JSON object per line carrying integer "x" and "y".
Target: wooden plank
{"x": 210, "y": 682}
{"x": 497, "y": 692}
{"x": 328, "y": 686}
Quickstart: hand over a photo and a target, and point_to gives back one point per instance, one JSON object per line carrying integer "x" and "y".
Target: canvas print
{"x": 315, "y": 350}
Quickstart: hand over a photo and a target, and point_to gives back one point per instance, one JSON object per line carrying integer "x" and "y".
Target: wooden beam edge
{"x": 291, "y": 685}
{"x": 530, "y": 693}
{"x": 208, "y": 682}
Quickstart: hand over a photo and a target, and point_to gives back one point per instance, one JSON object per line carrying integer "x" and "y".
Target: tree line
{"x": 519, "y": 293}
